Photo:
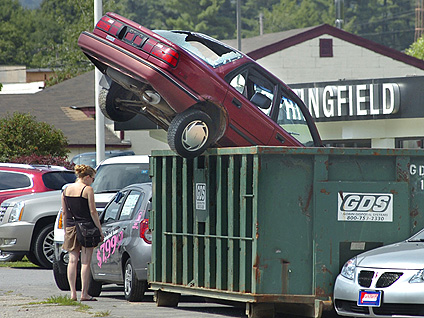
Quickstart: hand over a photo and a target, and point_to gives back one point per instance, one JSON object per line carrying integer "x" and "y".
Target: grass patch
{"x": 62, "y": 301}
{"x": 67, "y": 301}
{"x": 102, "y": 313}
{"x": 23, "y": 263}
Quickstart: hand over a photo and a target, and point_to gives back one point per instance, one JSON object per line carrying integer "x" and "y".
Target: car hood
{"x": 53, "y": 195}
{"x": 403, "y": 255}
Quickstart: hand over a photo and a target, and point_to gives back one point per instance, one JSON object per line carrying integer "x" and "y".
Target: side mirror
{"x": 118, "y": 197}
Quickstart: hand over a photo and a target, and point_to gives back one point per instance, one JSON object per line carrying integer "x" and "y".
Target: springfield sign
{"x": 365, "y": 207}
{"x": 362, "y": 100}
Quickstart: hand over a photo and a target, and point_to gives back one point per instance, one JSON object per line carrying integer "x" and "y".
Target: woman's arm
{"x": 64, "y": 211}
{"x": 93, "y": 211}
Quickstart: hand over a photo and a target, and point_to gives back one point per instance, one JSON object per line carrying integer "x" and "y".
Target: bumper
{"x": 61, "y": 257}
{"x": 16, "y": 236}
{"x": 140, "y": 258}
{"x": 401, "y": 299}
{"x": 110, "y": 55}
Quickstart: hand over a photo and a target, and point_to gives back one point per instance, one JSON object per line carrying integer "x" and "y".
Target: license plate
{"x": 369, "y": 298}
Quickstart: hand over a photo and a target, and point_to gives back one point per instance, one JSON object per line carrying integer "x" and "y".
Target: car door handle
{"x": 236, "y": 102}
{"x": 280, "y": 138}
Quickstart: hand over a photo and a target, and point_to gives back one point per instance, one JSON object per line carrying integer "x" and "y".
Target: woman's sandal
{"x": 89, "y": 299}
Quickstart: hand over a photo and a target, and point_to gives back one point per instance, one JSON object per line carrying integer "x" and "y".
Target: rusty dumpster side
{"x": 267, "y": 226}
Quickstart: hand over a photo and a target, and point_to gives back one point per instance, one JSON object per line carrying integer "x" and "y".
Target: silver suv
{"x": 27, "y": 226}
{"x": 28, "y": 221}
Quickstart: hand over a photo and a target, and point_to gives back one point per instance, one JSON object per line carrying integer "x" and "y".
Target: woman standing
{"x": 79, "y": 199}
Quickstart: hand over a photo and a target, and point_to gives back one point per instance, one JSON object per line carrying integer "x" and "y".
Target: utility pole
{"x": 261, "y": 23}
{"x": 339, "y": 13}
{"x": 100, "y": 118}
{"x": 419, "y": 19}
{"x": 238, "y": 13}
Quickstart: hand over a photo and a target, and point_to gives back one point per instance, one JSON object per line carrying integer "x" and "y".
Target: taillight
{"x": 145, "y": 233}
{"x": 105, "y": 23}
{"x": 60, "y": 223}
{"x": 166, "y": 54}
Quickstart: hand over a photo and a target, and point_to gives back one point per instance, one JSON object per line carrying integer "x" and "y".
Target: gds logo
{"x": 355, "y": 202}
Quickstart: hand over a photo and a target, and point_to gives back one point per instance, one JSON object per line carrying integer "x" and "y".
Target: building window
{"x": 326, "y": 47}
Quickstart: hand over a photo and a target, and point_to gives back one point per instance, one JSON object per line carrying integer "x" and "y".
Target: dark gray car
{"x": 123, "y": 256}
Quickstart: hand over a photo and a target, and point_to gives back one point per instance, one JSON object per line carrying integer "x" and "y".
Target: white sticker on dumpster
{"x": 200, "y": 196}
{"x": 367, "y": 207}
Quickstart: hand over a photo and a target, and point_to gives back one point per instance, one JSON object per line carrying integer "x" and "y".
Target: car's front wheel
{"x": 190, "y": 133}
{"x": 61, "y": 279}
{"x": 44, "y": 246}
{"x": 10, "y": 257}
{"x": 110, "y": 102}
{"x": 133, "y": 288}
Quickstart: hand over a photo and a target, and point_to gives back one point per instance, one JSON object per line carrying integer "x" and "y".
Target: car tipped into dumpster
{"x": 201, "y": 91}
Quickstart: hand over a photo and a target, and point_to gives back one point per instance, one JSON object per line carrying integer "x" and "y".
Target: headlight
{"x": 348, "y": 269}
{"x": 17, "y": 212}
{"x": 418, "y": 277}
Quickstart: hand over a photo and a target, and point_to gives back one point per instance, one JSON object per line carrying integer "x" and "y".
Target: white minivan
{"x": 112, "y": 175}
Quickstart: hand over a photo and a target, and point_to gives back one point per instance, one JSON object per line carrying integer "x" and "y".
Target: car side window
{"x": 256, "y": 87}
{"x": 291, "y": 119}
{"x": 239, "y": 83}
{"x": 130, "y": 205}
{"x": 13, "y": 180}
{"x": 112, "y": 209}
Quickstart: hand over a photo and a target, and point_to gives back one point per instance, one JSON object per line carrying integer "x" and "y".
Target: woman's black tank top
{"x": 79, "y": 209}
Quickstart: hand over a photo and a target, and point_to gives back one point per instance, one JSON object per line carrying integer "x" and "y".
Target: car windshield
{"x": 56, "y": 180}
{"x": 114, "y": 177}
{"x": 208, "y": 49}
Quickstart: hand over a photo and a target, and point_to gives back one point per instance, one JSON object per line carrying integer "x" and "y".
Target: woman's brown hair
{"x": 83, "y": 170}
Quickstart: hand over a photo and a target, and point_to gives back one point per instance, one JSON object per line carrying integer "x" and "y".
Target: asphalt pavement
{"x": 22, "y": 290}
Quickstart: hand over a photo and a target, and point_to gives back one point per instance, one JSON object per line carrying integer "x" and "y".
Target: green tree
{"x": 293, "y": 14}
{"x": 389, "y": 22}
{"x": 14, "y": 27}
{"x": 417, "y": 49}
{"x": 62, "y": 23}
{"x": 208, "y": 16}
{"x": 22, "y": 135}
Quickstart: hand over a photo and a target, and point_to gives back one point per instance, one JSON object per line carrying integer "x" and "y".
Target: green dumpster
{"x": 272, "y": 226}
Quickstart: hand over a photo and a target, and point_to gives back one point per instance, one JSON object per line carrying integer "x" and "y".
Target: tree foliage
{"x": 22, "y": 135}
{"x": 417, "y": 49}
{"x": 46, "y": 37}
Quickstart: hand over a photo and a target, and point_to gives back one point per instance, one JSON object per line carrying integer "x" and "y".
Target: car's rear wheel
{"x": 190, "y": 133}
{"x": 95, "y": 287}
{"x": 44, "y": 246}
{"x": 133, "y": 288}
{"x": 109, "y": 102}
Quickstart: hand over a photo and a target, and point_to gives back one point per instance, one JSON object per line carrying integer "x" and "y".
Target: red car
{"x": 203, "y": 92}
{"x": 20, "y": 179}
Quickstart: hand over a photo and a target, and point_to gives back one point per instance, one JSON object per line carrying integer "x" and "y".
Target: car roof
{"x": 138, "y": 185}
{"x": 32, "y": 168}
{"x": 125, "y": 159}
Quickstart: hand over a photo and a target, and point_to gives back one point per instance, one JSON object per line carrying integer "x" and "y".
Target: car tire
{"x": 134, "y": 289}
{"x": 109, "y": 106}
{"x": 44, "y": 246}
{"x": 190, "y": 133}
{"x": 10, "y": 257}
{"x": 61, "y": 279}
{"x": 95, "y": 287}
{"x": 31, "y": 257}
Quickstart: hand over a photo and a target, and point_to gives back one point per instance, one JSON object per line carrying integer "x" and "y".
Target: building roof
{"x": 264, "y": 45}
{"x": 53, "y": 106}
